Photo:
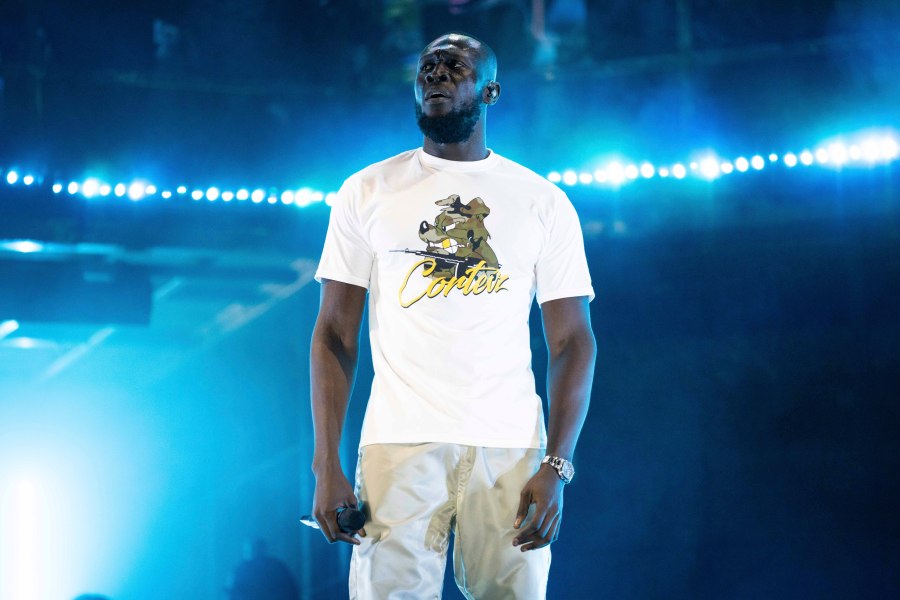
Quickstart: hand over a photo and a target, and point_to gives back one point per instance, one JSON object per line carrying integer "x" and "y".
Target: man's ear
{"x": 491, "y": 92}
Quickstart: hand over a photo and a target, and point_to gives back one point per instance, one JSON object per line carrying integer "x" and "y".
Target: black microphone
{"x": 350, "y": 519}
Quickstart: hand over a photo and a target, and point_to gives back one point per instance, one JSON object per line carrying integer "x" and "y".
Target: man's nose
{"x": 439, "y": 73}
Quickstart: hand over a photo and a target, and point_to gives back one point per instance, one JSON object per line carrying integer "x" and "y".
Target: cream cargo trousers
{"x": 415, "y": 494}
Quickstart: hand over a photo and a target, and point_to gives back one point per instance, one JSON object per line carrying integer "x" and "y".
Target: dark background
{"x": 743, "y": 434}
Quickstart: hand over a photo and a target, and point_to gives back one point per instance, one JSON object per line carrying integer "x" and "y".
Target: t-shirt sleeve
{"x": 347, "y": 255}
{"x": 562, "y": 269}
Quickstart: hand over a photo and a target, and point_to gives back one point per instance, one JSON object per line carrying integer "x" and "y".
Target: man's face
{"x": 448, "y": 96}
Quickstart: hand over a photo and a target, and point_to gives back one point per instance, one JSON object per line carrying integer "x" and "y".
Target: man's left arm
{"x": 573, "y": 351}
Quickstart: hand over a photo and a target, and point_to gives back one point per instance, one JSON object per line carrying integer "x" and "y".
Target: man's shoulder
{"x": 387, "y": 165}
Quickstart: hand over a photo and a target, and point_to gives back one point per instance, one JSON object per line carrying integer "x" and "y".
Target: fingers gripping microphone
{"x": 350, "y": 519}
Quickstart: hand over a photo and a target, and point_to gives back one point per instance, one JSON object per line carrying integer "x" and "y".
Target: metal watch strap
{"x": 564, "y": 468}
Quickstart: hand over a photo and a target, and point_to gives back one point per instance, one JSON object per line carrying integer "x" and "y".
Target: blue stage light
{"x": 757, "y": 162}
{"x": 709, "y": 167}
{"x": 727, "y": 168}
{"x": 120, "y": 190}
{"x": 137, "y": 190}
{"x": 242, "y": 194}
{"x": 212, "y": 194}
{"x": 150, "y": 190}
{"x": 632, "y": 172}
{"x": 287, "y": 197}
{"x": 197, "y": 195}
{"x": 585, "y": 178}
{"x": 57, "y": 188}
{"x": 790, "y": 159}
{"x": 182, "y": 190}
{"x": 889, "y": 148}
{"x": 72, "y": 188}
{"x": 663, "y": 172}
{"x": 554, "y": 177}
{"x": 616, "y": 172}
{"x": 90, "y": 187}
{"x": 600, "y": 176}
{"x": 23, "y": 246}
{"x": 773, "y": 157}
{"x": 570, "y": 177}
{"x": 227, "y": 196}
{"x": 317, "y": 196}
{"x": 647, "y": 170}
{"x": 12, "y": 177}
{"x": 166, "y": 194}
{"x": 8, "y": 327}
{"x": 258, "y": 196}
{"x": 273, "y": 199}
{"x": 679, "y": 171}
{"x": 742, "y": 164}
{"x": 806, "y": 157}
{"x": 822, "y": 155}
{"x": 105, "y": 189}
{"x": 330, "y": 197}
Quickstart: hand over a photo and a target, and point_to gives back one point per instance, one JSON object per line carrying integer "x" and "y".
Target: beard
{"x": 452, "y": 128}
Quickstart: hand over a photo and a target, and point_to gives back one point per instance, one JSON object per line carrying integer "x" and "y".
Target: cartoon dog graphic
{"x": 459, "y": 230}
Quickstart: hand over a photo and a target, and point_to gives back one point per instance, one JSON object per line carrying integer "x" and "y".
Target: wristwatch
{"x": 564, "y": 468}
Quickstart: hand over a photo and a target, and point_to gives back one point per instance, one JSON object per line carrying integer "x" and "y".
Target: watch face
{"x": 568, "y": 471}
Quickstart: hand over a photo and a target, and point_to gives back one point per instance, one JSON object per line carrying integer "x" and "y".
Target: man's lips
{"x": 436, "y": 94}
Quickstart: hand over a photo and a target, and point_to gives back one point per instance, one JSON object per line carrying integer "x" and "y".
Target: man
{"x": 453, "y": 243}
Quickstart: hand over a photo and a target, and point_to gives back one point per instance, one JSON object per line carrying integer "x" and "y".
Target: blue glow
{"x": 303, "y": 197}
{"x": 90, "y": 187}
{"x": 679, "y": 171}
{"x": 137, "y": 190}
{"x": 182, "y": 190}
{"x": 806, "y": 157}
{"x": 287, "y": 197}
{"x": 258, "y": 196}
{"x": 227, "y": 196}
{"x": 12, "y": 177}
{"x": 585, "y": 178}
{"x": 727, "y": 168}
{"x": 166, "y": 194}
{"x": 242, "y": 194}
{"x": 838, "y": 153}
{"x": 600, "y": 176}
{"x": 616, "y": 172}
{"x": 758, "y": 162}
{"x": 631, "y": 172}
{"x": 28, "y": 179}
{"x": 741, "y": 164}
{"x": 120, "y": 189}
{"x": 790, "y": 159}
{"x": 23, "y": 246}
{"x": 330, "y": 197}
{"x": 72, "y": 188}
{"x": 273, "y": 199}
{"x": 554, "y": 177}
{"x": 773, "y": 157}
{"x": 8, "y": 327}
{"x": 57, "y": 188}
{"x": 822, "y": 155}
{"x": 647, "y": 170}
{"x": 570, "y": 177}
{"x": 889, "y": 148}
{"x": 150, "y": 189}
{"x": 105, "y": 189}
{"x": 709, "y": 167}
{"x": 212, "y": 194}
{"x": 197, "y": 194}
{"x": 664, "y": 172}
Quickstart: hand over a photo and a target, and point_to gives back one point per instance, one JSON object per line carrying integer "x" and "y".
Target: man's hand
{"x": 545, "y": 491}
{"x": 333, "y": 491}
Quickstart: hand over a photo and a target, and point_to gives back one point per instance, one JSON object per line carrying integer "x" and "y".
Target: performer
{"x": 452, "y": 242}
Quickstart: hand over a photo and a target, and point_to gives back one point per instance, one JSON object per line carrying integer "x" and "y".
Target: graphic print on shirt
{"x": 457, "y": 257}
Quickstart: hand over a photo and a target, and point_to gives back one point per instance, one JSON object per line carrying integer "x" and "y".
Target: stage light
{"x": 57, "y": 188}
{"x": 105, "y": 189}
{"x": 150, "y": 189}
{"x": 23, "y": 246}
{"x": 316, "y": 196}
{"x": 585, "y": 178}
{"x": 838, "y": 153}
{"x": 773, "y": 157}
{"x": 663, "y": 172}
{"x": 227, "y": 196}
{"x": 273, "y": 199}
{"x": 330, "y": 198}
{"x": 616, "y": 172}
{"x": 212, "y": 194}
{"x": 12, "y": 177}
{"x": 694, "y": 165}
{"x": 303, "y": 197}
{"x": 554, "y": 177}
{"x": 889, "y": 148}
{"x": 727, "y": 168}
{"x": 136, "y": 191}
{"x": 166, "y": 194}
{"x": 90, "y": 187}
{"x": 8, "y": 327}
{"x": 709, "y": 167}
{"x": 600, "y": 176}
{"x": 806, "y": 157}
{"x": 679, "y": 171}
{"x": 757, "y": 162}
{"x": 242, "y": 194}
{"x": 631, "y": 172}
{"x": 790, "y": 159}
{"x": 181, "y": 190}
{"x": 120, "y": 190}
{"x": 197, "y": 195}
{"x": 822, "y": 155}
{"x": 570, "y": 178}
{"x": 287, "y": 197}
{"x": 72, "y": 188}
{"x": 258, "y": 196}
{"x": 647, "y": 170}
{"x": 28, "y": 179}
{"x": 741, "y": 164}
{"x": 855, "y": 152}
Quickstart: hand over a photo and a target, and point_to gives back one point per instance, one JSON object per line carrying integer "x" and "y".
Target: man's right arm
{"x": 333, "y": 358}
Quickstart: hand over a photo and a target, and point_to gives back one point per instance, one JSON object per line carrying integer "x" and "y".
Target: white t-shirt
{"x": 453, "y": 254}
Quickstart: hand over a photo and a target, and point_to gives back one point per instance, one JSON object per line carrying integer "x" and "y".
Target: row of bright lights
{"x": 869, "y": 151}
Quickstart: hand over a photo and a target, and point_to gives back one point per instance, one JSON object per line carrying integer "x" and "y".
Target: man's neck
{"x": 473, "y": 148}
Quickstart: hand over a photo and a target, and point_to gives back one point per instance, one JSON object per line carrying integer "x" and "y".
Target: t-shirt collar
{"x": 442, "y": 164}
